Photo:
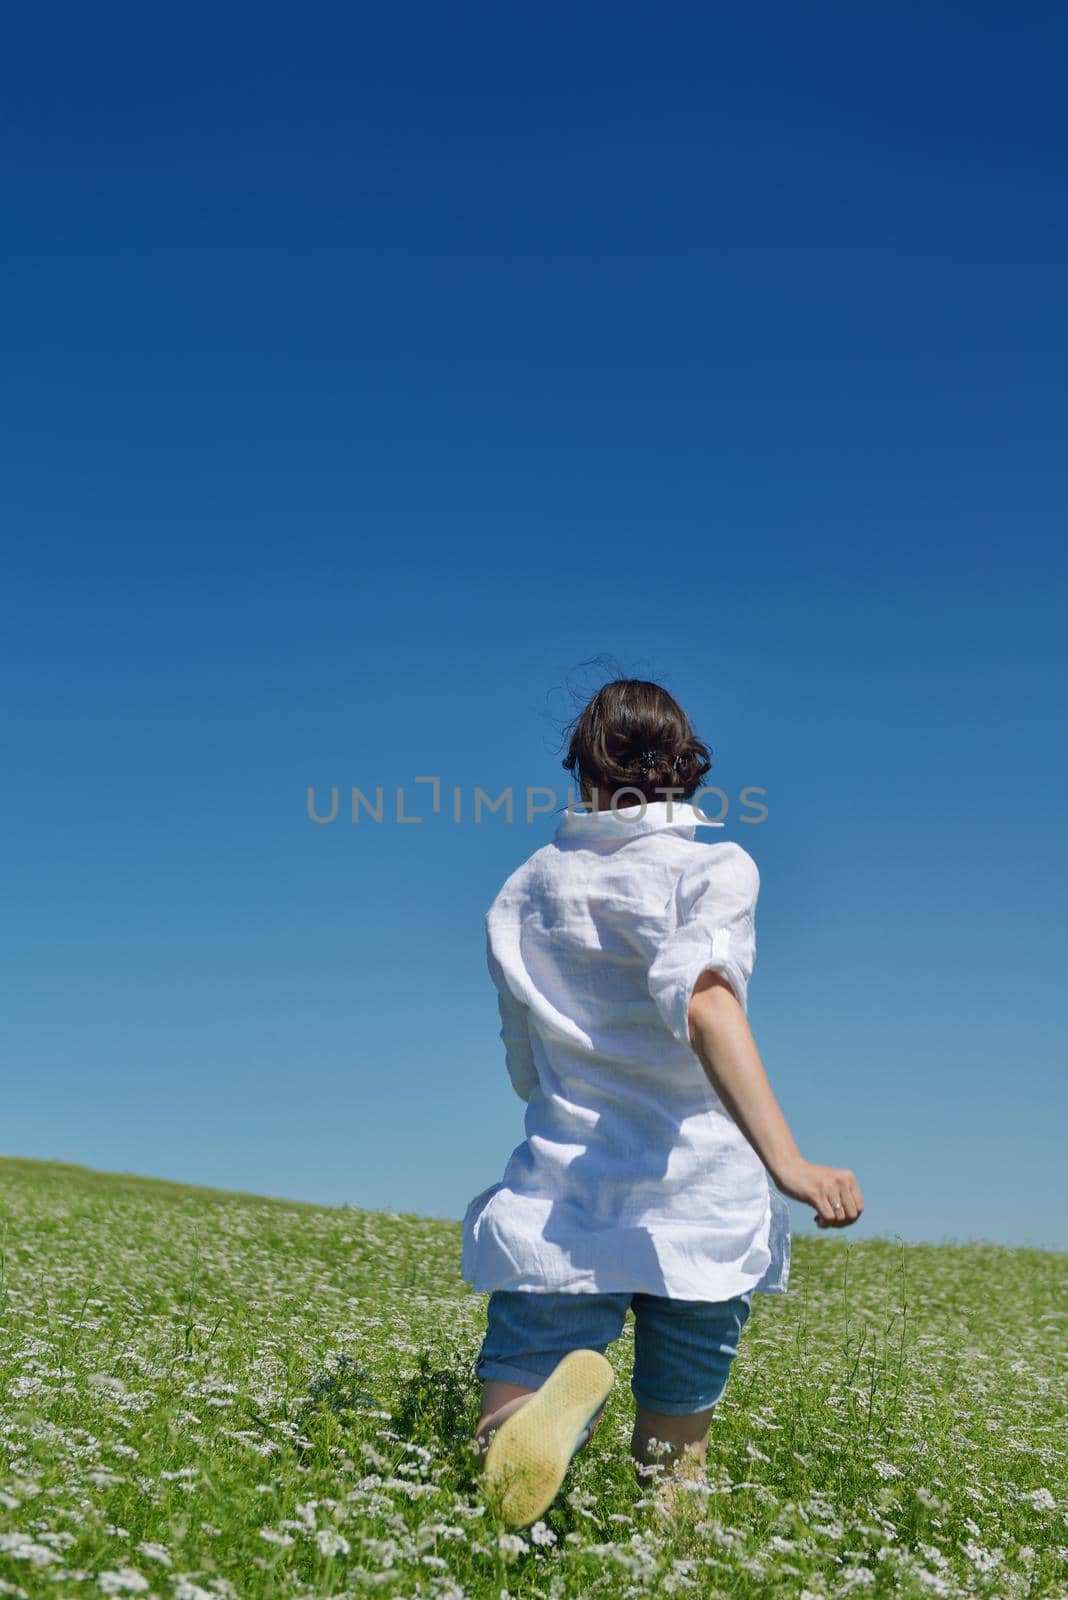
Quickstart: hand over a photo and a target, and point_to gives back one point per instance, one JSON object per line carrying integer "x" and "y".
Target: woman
{"x": 622, "y": 952}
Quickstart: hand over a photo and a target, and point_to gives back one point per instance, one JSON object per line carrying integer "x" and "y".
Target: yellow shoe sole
{"x": 531, "y": 1451}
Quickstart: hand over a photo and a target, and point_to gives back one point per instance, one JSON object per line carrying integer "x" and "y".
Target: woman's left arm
{"x": 515, "y": 1032}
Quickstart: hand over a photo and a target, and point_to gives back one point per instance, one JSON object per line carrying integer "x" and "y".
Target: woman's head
{"x": 633, "y": 735}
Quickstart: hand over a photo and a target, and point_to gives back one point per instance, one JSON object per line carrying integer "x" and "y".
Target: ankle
{"x": 488, "y": 1426}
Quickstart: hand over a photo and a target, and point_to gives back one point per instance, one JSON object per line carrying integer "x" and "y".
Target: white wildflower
{"x": 331, "y": 1543}
{"x": 272, "y": 1536}
{"x": 512, "y": 1544}
{"x": 886, "y": 1469}
{"x": 984, "y": 1560}
{"x": 101, "y": 1380}
{"x": 186, "y": 1589}
{"x": 22, "y": 1548}
{"x": 24, "y": 1386}
{"x": 1041, "y": 1499}
{"x": 127, "y": 1580}
{"x": 154, "y": 1552}
{"x": 541, "y": 1534}
{"x": 306, "y": 1513}
{"x": 933, "y": 1582}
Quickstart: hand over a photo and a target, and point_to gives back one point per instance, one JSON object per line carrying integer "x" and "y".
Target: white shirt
{"x": 633, "y": 1175}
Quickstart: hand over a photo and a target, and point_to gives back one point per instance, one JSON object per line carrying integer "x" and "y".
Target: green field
{"x": 212, "y": 1395}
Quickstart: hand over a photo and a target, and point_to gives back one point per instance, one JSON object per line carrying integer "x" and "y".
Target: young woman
{"x": 621, "y": 952}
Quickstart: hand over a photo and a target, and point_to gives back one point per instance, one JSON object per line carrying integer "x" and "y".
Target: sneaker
{"x": 532, "y": 1449}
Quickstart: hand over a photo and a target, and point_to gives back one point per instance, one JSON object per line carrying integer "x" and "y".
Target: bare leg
{"x": 687, "y": 1438}
{"x": 499, "y": 1400}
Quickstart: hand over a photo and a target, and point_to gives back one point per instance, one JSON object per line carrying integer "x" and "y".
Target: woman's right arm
{"x": 721, "y": 1038}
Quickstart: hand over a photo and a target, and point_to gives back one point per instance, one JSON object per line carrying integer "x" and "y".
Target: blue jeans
{"x": 683, "y": 1349}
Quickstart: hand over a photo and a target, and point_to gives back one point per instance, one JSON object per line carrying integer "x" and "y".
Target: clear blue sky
{"x": 366, "y": 375}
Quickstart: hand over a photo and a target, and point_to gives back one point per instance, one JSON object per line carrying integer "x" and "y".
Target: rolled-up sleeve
{"x": 712, "y": 928}
{"x": 515, "y": 1031}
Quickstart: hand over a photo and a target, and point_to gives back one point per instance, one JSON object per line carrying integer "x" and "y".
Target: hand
{"x": 834, "y": 1192}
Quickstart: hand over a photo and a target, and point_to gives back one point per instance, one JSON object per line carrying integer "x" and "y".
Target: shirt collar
{"x": 627, "y": 821}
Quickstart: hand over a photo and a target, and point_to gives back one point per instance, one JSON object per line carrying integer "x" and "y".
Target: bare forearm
{"x": 724, "y": 1045}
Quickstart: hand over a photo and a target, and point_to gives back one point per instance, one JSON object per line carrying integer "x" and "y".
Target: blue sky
{"x": 367, "y": 377}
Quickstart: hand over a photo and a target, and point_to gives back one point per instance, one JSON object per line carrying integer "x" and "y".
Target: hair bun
{"x": 634, "y": 735}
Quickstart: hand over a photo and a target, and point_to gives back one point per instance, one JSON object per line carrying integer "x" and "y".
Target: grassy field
{"x": 208, "y": 1396}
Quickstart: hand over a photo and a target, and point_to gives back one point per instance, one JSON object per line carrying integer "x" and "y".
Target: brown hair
{"x": 634, "y": 735}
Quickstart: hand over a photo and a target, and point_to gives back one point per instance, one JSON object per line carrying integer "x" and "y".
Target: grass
{"x": 206, "y": 1396}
